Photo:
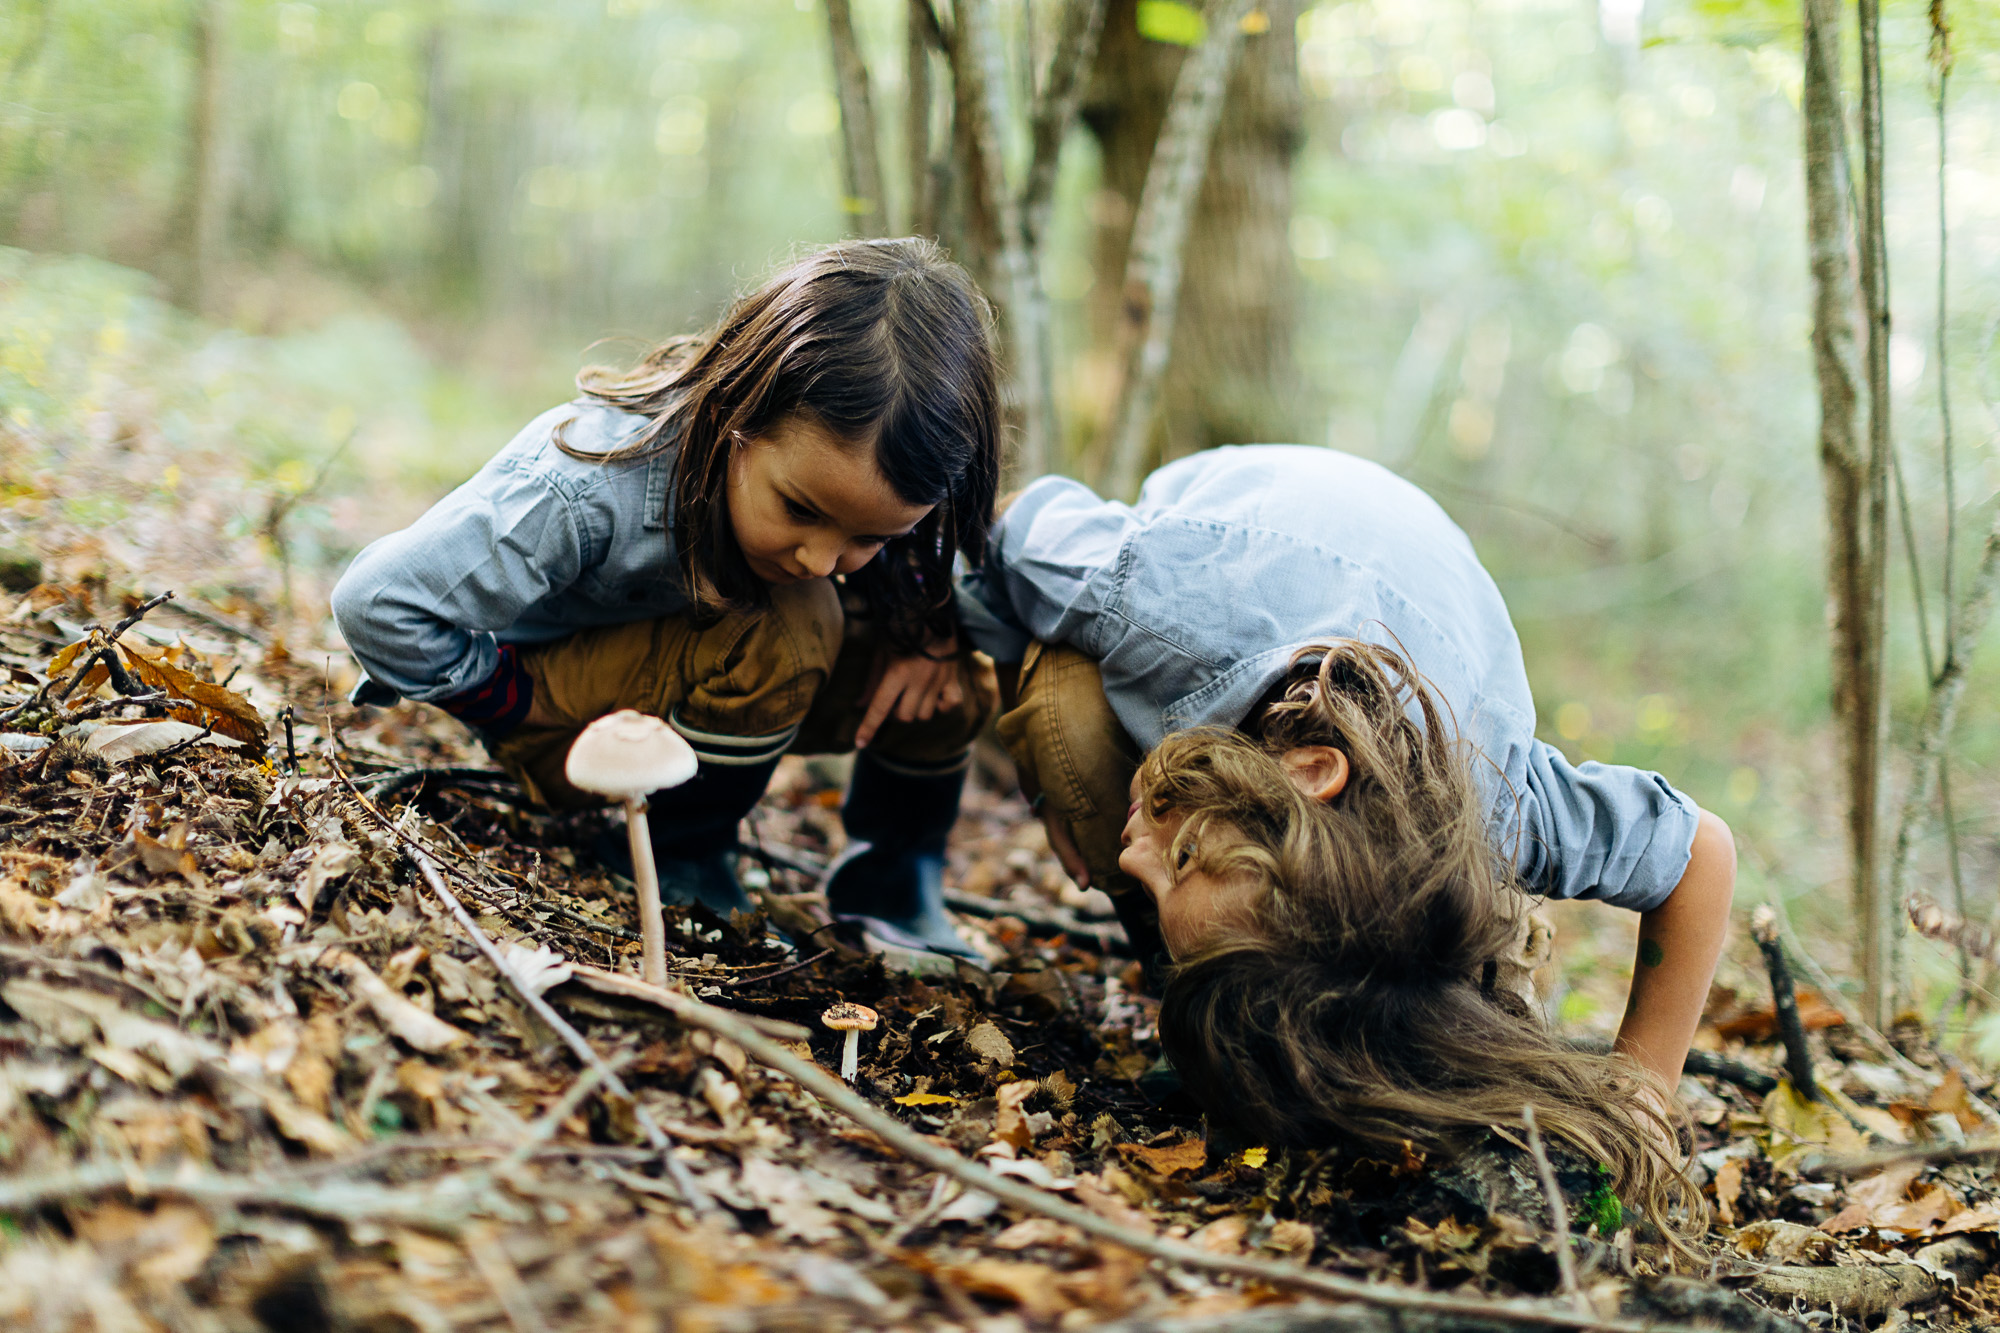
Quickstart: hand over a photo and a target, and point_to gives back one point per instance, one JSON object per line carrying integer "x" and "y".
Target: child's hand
{"x": 914, "y": 689}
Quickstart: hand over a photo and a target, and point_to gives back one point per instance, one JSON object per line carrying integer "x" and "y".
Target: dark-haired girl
{"x": 751, "y": 535}
{"x": 1341, "y": 790}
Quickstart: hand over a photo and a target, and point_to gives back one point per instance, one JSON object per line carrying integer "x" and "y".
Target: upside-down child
{"x": 750, "y": 535}
{"x": 1278, "y": 711}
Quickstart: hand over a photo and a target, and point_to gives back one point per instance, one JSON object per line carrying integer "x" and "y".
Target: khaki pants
{"x": 1067, "y": 743}
{"x": 793, "y": 677}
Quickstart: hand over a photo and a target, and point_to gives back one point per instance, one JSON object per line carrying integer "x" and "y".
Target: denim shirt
{"x": 1193, "y": 601}
{"x": 536, "y": 546}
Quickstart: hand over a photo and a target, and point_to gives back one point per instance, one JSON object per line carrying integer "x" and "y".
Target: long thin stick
{"x": 655, "y": 1136}
{"x": 1558, "y": 1214}
{"x": 697, "y": 1199}
{"x": 926, "y": 1152}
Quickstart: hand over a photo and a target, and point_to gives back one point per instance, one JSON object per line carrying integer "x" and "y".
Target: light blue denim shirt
{"x": 536, "y": 546}
{"x": 1193, "y": 601}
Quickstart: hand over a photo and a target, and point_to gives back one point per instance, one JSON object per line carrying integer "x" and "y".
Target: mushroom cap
{"x": 627, "y": 754}
{"x": 846, "y": 1017}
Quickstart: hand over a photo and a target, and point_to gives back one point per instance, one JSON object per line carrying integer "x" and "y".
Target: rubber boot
{"x": 890, "y": 880}
{"x": 693, "y": 830}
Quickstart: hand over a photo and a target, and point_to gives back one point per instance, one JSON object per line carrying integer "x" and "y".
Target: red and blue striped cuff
{"x": 501, "y": 702}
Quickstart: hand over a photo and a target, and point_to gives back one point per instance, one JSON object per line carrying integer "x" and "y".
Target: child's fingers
{"x": 887, "y": 692}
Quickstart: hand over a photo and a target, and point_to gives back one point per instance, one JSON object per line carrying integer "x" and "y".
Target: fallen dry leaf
{"x": 408, "y": 1023}
{"x": 1784, "y": 1243}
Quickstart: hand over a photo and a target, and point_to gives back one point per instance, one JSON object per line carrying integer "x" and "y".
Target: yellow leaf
{"x": 926, "y": 1099}
{"x": 1798, "y": 1125}
{"x": 1254, "y": 1158}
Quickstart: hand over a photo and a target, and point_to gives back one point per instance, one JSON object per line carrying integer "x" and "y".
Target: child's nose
{"x": 819, "y": 558}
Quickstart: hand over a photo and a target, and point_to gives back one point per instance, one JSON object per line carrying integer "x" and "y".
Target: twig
{"x": 1558, "y": 1214}
{"x": 1108, "y": 937}
{"x": 1829, "y": 991}
{"x": 214, "y": 619}
{"x": 696, "y": 1198}
{"x": 444, "y": 1206}
{"x": 100, "y": 707}
{"x": 925, "y": 1152}
{"x": 1705, "y": 1063}
{"x": 101, "y": 652}
{"x": 584, "y": 1051}
{"x": 490, "y": 1257}
{"x": 1784, "y": 1000}
{"x": 583, "y": 922}
{"x": 1941, "y": 1154}
{"x": 772, "y": 976}
{"x": 1159, "y": 236}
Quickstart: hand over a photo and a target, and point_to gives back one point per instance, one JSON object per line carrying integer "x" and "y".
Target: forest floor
{"x": 256, "y": 1073}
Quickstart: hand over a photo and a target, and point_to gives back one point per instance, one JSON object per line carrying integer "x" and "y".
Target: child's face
{"x": 804, "y": 506}
{"x": 1194, "y": 904}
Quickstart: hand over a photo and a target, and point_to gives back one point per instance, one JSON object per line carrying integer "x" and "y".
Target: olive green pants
{"x": 793, "y": 677}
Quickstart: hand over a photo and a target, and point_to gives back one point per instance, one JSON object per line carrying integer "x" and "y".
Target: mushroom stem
{"x": 850, "y": 1052}
{"x": 646, "y": 885}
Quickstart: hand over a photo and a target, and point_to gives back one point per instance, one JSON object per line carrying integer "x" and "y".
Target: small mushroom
{"x": 853, "y": 1019}
{"x": 625, "y": 755}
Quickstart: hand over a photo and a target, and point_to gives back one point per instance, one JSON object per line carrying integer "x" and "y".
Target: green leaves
{"x": 1172, "y": 22}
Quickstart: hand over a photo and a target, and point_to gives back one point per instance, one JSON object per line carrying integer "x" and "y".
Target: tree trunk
{"x": 1853, "y": 583}
{"x": 864, "y": 206}
{"x": 1230, "y": 376}
{"x": 1155, "y": 258}
{"x": 198, "y": 212}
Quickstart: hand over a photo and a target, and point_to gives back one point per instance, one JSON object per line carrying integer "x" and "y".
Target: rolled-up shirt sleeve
{"x": 1045, "y": 567}
{"x": 1618, "y": 834}
{"x": 420, "y": 608}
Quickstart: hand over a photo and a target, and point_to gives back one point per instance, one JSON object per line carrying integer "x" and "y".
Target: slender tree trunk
{"x": 920, "y": 217}
{"x": 1879, "y": 978}
{"x": 1941, "y": 712}
{"x": 1230, "y": 373}
{"x": 860, "y": 148}
{"x": 981, "y": 73}
{"x": 1155, "y": 258}
{"x": 1853, "y": 582}
{"x": 198, "y": 212}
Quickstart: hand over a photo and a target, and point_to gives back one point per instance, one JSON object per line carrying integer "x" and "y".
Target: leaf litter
{"x": 254, "y": 1075}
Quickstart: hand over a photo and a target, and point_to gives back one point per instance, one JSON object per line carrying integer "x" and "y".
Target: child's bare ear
{"x": 1320, "y": 771}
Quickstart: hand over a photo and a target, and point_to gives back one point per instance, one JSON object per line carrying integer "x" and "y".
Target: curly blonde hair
{"x": 1357, "y": 1006}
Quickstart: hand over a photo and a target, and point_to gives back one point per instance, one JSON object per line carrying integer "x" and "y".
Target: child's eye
{"x": 1186, "y": 855}
{"x": 798, "y": 512}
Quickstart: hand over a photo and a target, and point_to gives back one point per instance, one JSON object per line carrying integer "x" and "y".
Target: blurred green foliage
{"x": 1551, "y": 254}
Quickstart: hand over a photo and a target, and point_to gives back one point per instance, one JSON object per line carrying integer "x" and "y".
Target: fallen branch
{"x": 1939, "y": 1154}
{"x": 444, "y": 1206}
{"x": 925, "y": 1152}
{"x": 1859, "y": 1294}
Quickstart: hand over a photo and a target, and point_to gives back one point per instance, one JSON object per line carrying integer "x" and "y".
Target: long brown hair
{"x": 1359, "y": 1007}
{"x": 886, "y": 344}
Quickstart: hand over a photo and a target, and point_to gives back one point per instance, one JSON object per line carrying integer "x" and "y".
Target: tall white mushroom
{"x": 625, "y": 755}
